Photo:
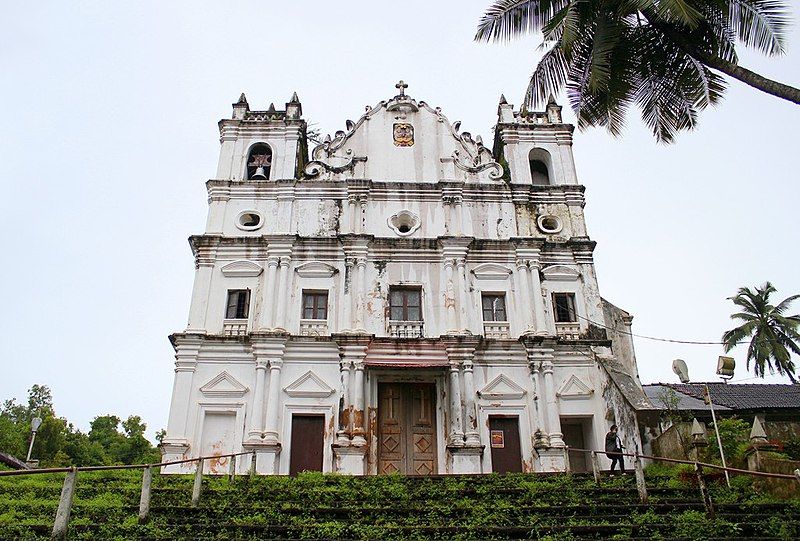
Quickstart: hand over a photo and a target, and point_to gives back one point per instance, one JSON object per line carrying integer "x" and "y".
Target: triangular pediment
{"x": 491, "y": 271}
{"x": 309, "y": 385}
{"x": 574, "y": 388}
{"x": 224, "y": 385}
{"x": 243, "y": 268}
{"x": 316, "y": 269}
{"x": 560, "y": 273}
{"x": 501, "y": 388}
{"x": 386, "y": 142}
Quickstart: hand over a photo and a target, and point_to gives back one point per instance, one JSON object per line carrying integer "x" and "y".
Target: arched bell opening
{"x": 259, "y": 162}
{"x": 539, "y": 160}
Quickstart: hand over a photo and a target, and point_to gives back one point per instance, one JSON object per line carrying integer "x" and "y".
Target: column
{"x": 273, "y": 401}
{"x": 362, "y": 201}
{"x": 185, "y": 365}
{"x": 351, "y": 213}
{"x": 359, "y": 294}
{"x": 446, "y": 206}
{"x": 463, "y": 287}
{"x": 343, "y": 434}
{"x": 456, "y": 438}
{"x": 256, "y": 421}
{"x": 522, "y": 281}
{"x": 472, "y": 436}
{"x": 459, "y": 219}
{"x": 450, "y": 297}
{"x": 268, "y": 294}
{"x": 200, "y": 294}
{"x": 553, "y": 420}
{"x": 347, "y": 294}
{"x": 283, "y": 292}
{"x": 358, "y": 405}
{"x": 538, "y": 405}
{"x": 539, "y": 319}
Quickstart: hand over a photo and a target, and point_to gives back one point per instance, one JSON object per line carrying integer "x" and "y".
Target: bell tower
{"x": 263, "y": 145}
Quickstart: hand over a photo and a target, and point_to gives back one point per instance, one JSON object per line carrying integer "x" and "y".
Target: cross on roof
{"x": 401, "y": 86}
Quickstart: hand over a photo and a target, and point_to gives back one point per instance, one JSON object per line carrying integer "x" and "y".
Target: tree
{"x": 59, "y": 443}
{"x": 658, "y": 54}
{"x": 773, "y": 335}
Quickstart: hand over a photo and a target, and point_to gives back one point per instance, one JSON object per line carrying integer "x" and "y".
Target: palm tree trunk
{"x": 748, "y": 77}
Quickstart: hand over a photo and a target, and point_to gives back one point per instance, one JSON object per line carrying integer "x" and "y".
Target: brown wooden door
{"x": 407, "y": 428}
{"x": 307, "y": 443}
{"x": 504, "y": 438}
{"x": 573, "y": 437}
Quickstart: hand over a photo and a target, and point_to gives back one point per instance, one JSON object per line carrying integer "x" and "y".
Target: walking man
{"x": 614, "y": 449}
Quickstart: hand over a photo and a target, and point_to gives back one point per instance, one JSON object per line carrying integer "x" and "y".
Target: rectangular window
{"x": 405, "y": 304}
{"x": 564, "y": 307}
{"x": 238, "y": 304}
{"x": 315, "y": 305}
{"x": 494, "y": 307}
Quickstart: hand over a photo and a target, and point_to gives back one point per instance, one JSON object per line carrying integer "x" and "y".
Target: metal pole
{"x": 232, "y": 470}
{"x": 30, "y": 447}
{"x": 567, "y": 465}
{"x": 719, "y": 440}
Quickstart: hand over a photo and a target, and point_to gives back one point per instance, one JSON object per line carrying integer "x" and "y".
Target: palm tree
{"x": 662, "y": 55}
{"x": 773, "y": 335}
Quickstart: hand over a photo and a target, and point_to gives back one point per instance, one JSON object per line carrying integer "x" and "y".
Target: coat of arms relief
{"x": 403, "y": 134}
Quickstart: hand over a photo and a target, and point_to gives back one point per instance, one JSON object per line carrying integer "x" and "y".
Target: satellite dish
{"x": 725, "y": 367}
{"x": 680, "y": 368}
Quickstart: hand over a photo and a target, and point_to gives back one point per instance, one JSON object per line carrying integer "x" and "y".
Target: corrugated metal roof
{"x": 735, "y": 396}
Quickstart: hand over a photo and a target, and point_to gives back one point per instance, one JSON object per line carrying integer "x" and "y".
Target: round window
{"x": 248, "y": 220}
{"x": 549, "y": 224}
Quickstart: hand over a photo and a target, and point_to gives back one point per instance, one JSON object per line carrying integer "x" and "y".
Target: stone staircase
{"x": 316, "y": 506}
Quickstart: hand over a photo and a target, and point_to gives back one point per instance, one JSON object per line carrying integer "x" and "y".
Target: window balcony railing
{"x": 234, "y": 327}
{"x": 313, "y": 327}
{"x": 406, "y": 329}
{"x": 495, "y": 329}
{"x": 569, "y": 331}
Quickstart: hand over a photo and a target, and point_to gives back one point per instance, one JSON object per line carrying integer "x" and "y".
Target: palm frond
{"x": 549, "y": 77}
{"x": 784, "y": 304}
{"x": 679, "y": 11}
{"x": 507, "y": 19}
{"x": 761, "y": 24}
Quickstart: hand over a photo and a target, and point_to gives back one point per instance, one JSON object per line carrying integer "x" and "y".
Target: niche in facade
{"x": 539, "y": 160}
{"x": 259, "y": 162}
{"x": 404, "y": 223}
{"x": 248, "y": 220}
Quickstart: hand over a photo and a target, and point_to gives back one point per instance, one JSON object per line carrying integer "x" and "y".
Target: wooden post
{"x": 144, "y": 500}
{"x": 701, "y": 482}
{"x": 640, "y": 484}
{"x": 595, "y": 467}
{"x": 198, "y": 483}
{"x": 65, "y": 506}
{"x": 232, "y": 471}
{"x": 567, "y": 465}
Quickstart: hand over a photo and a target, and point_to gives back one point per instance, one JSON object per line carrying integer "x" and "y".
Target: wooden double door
{"x": 407, "y": 428}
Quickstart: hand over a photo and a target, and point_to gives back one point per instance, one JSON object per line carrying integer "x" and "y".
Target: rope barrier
{"x": 118, "y": 466}
{"x": 691, "y": 463}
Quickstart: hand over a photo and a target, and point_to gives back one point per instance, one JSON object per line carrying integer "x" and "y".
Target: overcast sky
{"x": 109, "y": 132}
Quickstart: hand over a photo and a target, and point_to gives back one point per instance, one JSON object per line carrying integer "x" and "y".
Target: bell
{"x": 260, "y": 173}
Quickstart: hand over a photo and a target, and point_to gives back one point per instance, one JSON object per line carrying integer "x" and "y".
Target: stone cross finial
{"x": 401, "y": 86}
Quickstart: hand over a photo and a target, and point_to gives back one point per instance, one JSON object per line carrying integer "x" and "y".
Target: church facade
{"x": 402, "y": 299}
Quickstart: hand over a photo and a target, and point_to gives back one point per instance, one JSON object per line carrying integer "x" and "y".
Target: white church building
{"x": 405, "y": 299}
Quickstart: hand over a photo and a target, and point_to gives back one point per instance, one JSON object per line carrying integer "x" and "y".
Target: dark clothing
{"x": 614, "y": 451}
